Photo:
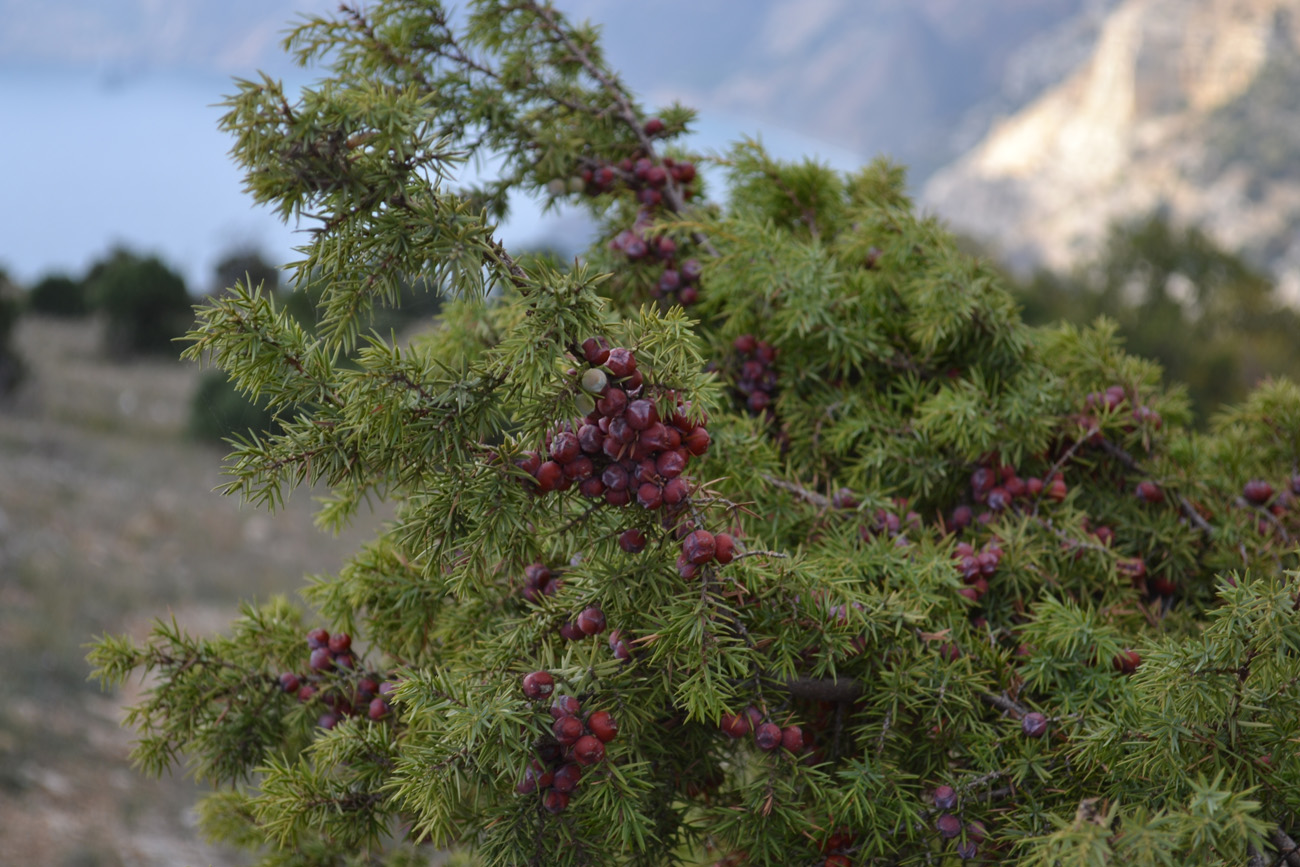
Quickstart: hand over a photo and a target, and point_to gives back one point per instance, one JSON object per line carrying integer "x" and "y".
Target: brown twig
{"x": 1288, "y": 849}
{"x": 1185, "y": 505}
{"x": 822, "y": 689}
{"x": 1268, "y": 516}
{"x": 1194, "y": 516}
{"x": 1001, "y": 702}
{"x": 610, "y": 84}
{"x": 1070, "y": 540}
{"x": 811, "y": 496}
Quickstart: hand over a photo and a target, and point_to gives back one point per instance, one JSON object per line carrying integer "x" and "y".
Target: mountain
{"x": 908, "y": 78}
{"x": 1187, "y": 106}
{"x": 911, "y": 79}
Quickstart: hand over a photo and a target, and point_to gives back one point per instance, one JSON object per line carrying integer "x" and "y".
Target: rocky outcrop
{"x": 1192, "y": 106}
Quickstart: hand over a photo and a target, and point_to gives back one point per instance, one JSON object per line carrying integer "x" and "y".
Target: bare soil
{"x": 108, "y": 520}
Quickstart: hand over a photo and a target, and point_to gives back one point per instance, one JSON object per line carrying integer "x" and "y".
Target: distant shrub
{"x": 59, "y": 295}
{"x": 11, "y": 366}
{"x": 145, "y": 301}
{"x": 219, "y": 412}
{"x": 1214, "y": 322}
{"x": 245, "y": 265}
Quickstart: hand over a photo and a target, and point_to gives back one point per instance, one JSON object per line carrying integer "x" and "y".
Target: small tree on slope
{"x": 766, "y": 534}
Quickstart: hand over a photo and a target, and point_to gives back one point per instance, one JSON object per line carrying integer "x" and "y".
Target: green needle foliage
{"x": 935, "y": 586}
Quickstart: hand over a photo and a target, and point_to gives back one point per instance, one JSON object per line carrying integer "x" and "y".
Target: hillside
{"x": 1190, "y": 106}
{"x": 108, "y": 521}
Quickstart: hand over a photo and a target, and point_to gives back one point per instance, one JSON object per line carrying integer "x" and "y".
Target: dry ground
{"x": 107, "y": 521}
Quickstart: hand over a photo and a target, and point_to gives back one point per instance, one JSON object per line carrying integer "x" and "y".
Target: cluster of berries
{"x": 700, "y": 548}
{"x": 677, "y": 280}
{"x": 646, "y": 179}
{"x": 886, "y": 522}
{"x": 640, "y": 174}
{"x": 576, "y": 743}
{"x": 1256, "y": 493}
{"x": 539, "y": 581}
{"x": 767, "y": 735}
{"x": 950, "y": 827}
{"x": 618, "y": 644}
{"x": 1112, "y": 400}
{"x": 590, "y": 621}
{"x": 754, "y": 374}
{"x": 976, "y": 567}
{"x": 999, "y": 488}
{"x": 1261, "y": 495}
{"x": 333, "y": 679}
{"x": 621, "y": 450}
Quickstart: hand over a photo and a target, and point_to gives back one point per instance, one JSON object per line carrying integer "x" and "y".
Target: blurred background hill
{"x": 1190, "y": 108}
{"x": 1135, "y": 159}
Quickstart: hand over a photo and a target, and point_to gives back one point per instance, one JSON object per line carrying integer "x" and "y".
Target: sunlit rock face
{"x": 1192, "y": 106}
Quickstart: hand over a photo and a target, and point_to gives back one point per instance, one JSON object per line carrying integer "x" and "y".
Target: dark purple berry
{"x": 1149, "y": 492}
{"x": 595, "y": 350}
{"x": 567, "y": 777}
{"x": 649, "y": 496}
{"x": 565, "y": 705}
{"x": 768, "y": 736}
{"x": 1034, "y": 725}
{"x": 538, "y": 684}
{"x": 697, "y": 440}
{"x": 632, "y": 541}
{"x": 1257, "y": 491}
{"x": 565, "y": 447}
{"x": 621, "y": 362}
{"x": 641, "y": 414}
{"x": 321, "y": 660}
{"x": 735, "y": 725}
{"x": 567, "y": 730}
{"x": 699, "y": 547}
{"x": 602, "y": 725}
{"x": 591, "y": 621}
{"x": 589, "y": 750}
{"x": 724, "y": 548}
{"x": 613, "y": 403}
{"x": 945, "y": 798}
{"x": 676, "y": 491}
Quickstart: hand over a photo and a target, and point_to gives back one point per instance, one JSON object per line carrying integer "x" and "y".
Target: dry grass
{"x": 107, "y": 521}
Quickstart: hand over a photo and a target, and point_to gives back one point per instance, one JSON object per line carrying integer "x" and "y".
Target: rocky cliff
{"x": 1192, "y": 106}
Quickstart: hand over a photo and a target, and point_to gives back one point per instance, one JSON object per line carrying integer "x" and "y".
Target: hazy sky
{"x": 111, "y": 125}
